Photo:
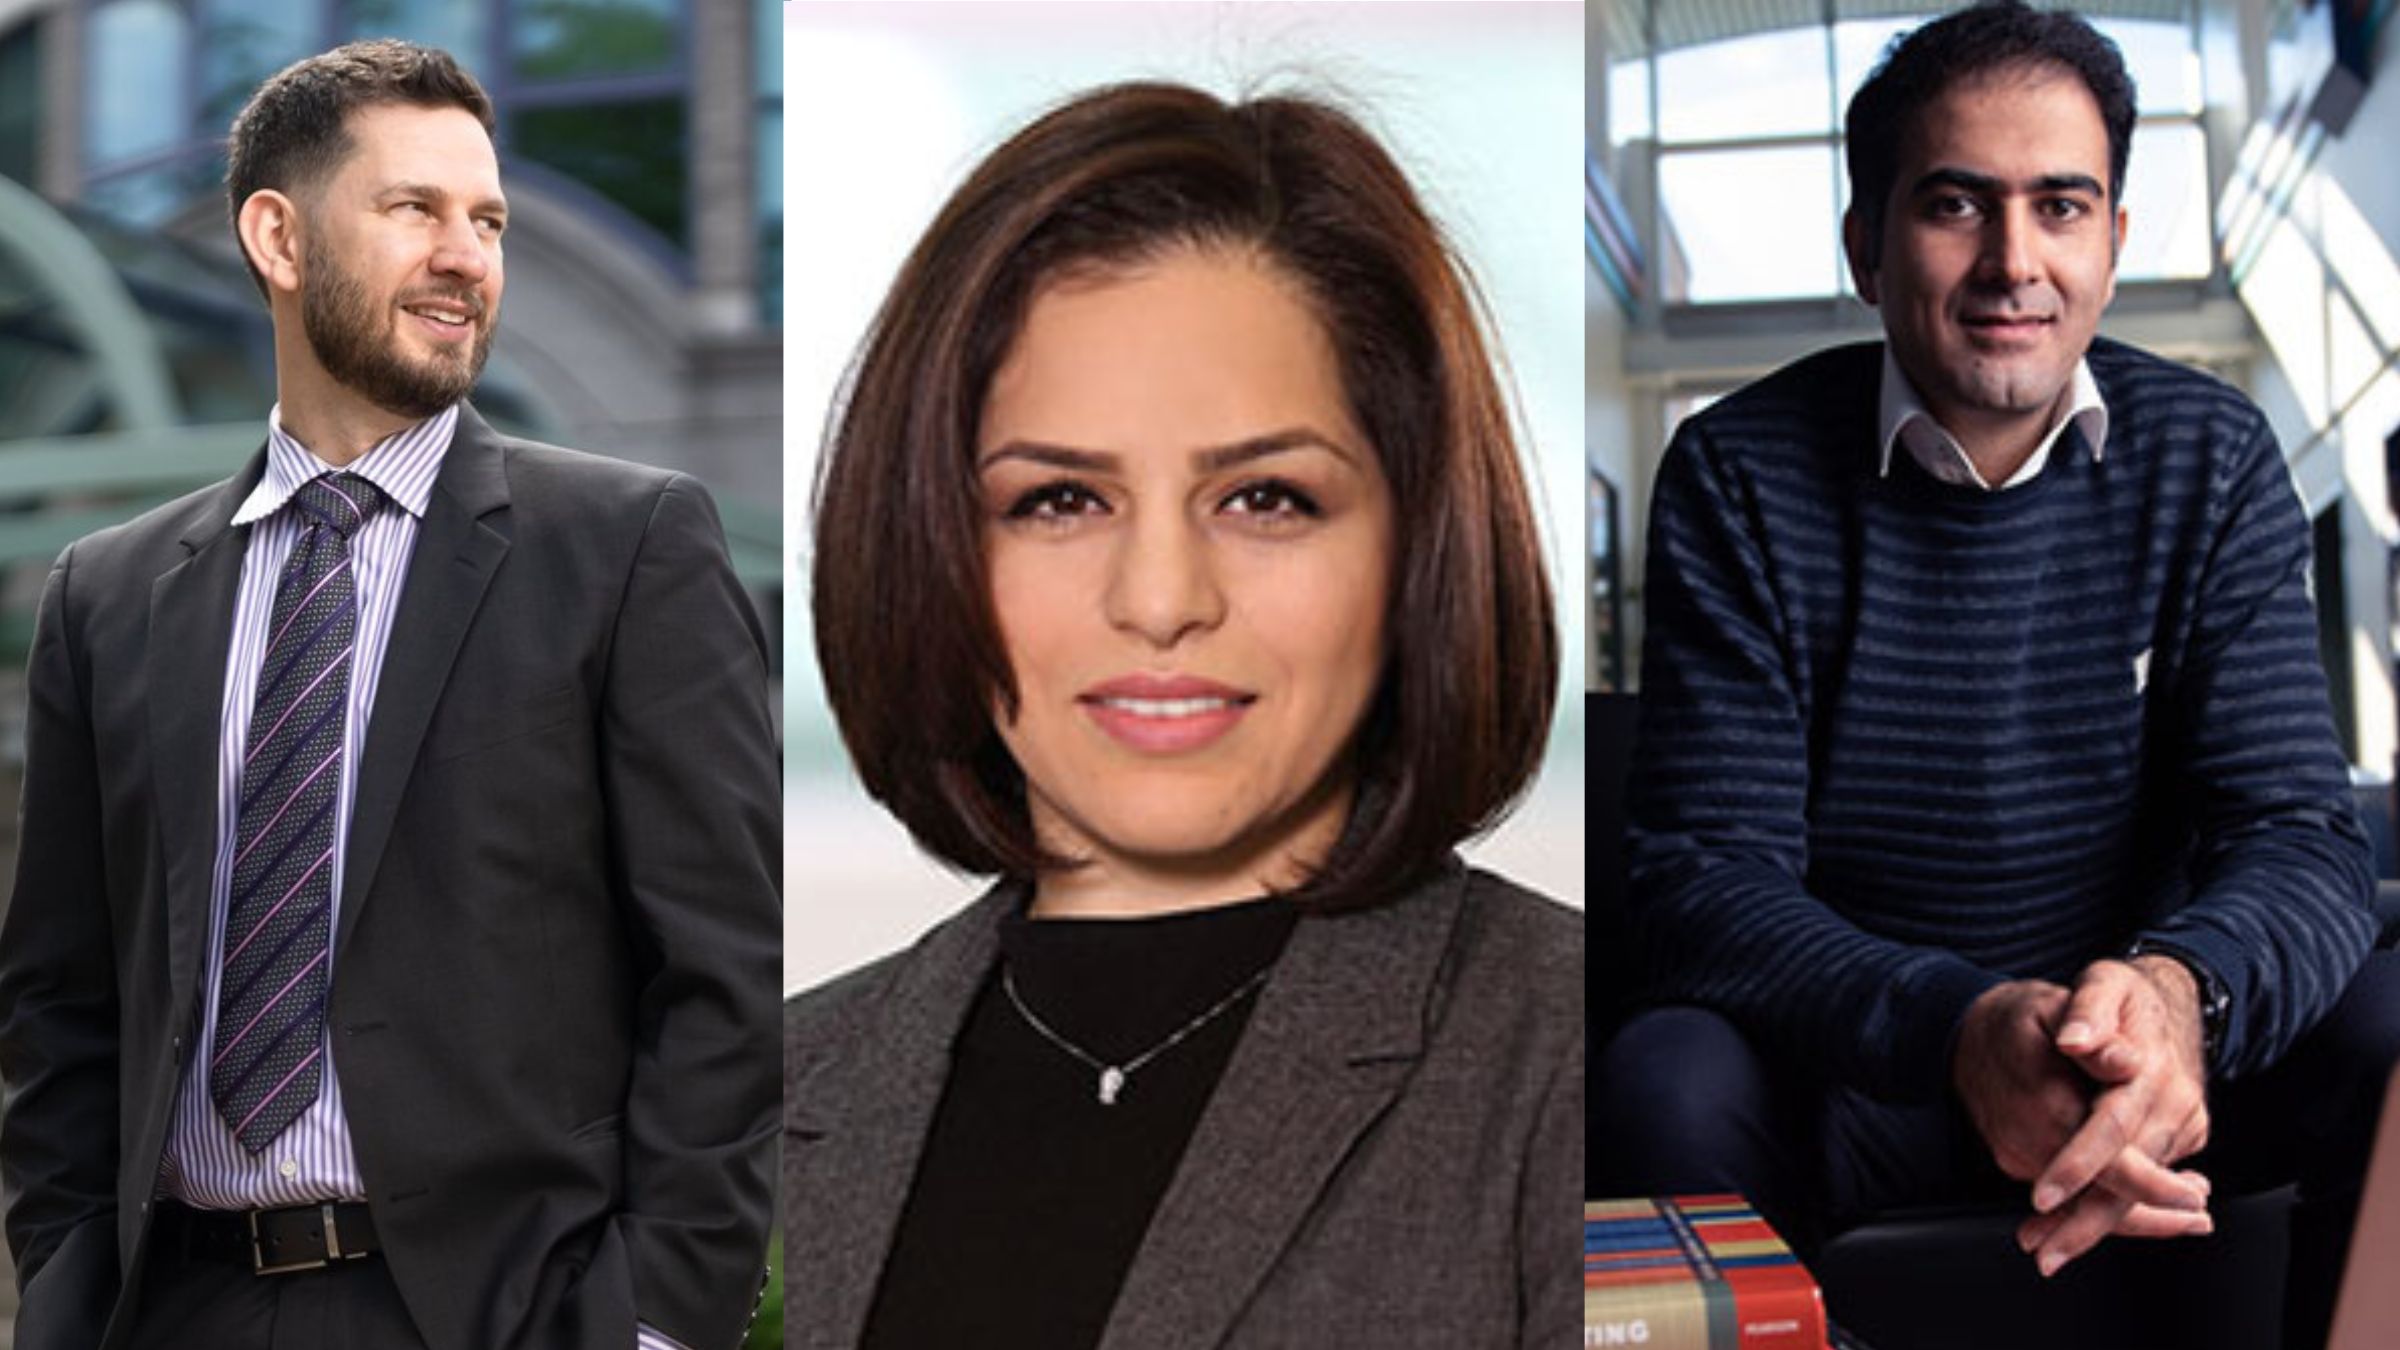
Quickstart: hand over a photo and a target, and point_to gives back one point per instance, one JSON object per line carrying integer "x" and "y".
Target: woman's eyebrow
{"x": 1050, "y": 455}
{"x": 1211, "y": 459}
{"x": 1214, "y": 458}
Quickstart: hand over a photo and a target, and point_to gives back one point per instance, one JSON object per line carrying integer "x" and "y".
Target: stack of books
{"x": 1694, "y": 1272}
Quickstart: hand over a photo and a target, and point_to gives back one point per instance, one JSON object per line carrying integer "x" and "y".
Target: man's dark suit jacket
{"x": 554, "y": 990}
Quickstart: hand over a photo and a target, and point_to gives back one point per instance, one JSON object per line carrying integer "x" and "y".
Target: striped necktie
{"x": 267, "y": 1062}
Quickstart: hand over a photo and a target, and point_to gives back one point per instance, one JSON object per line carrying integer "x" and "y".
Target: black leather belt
{"x": 268, "y": 1241}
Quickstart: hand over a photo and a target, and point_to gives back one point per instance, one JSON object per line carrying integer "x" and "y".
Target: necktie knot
{"x": 341, "y": 502}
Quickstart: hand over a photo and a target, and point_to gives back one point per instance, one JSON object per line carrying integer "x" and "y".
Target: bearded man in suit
{"x": 392, "y": 957}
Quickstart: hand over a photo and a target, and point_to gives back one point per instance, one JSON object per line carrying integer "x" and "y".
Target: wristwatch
{"x": 2216, "y": 1001}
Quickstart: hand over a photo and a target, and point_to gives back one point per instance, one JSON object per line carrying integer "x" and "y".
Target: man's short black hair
{"x": 295, "y": 130}
{"x": 1992, "y": 37}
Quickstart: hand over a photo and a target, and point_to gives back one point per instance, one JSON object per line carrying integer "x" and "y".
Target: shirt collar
{"x": 403, "y": 464}
{"x": 1901, "y": 417}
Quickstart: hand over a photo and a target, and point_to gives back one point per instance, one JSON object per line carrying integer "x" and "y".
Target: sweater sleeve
{"x": 1717, "y": 803}
{"x": 2282, "y": 885}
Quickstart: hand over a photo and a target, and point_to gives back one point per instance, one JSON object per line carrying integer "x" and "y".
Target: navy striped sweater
{"x": 1901, "y": 741}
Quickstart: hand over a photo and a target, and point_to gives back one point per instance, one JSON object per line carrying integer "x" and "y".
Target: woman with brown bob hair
{"x": 1174, "y": 564}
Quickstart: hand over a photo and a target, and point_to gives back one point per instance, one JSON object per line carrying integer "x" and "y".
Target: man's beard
{"x": 359, "y": 347}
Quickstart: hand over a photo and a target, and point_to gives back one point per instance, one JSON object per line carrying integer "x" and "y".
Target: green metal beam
{"x": 94, "y": 302}
{"x": 139, "y": 470}
{"x": 185, "y": 457}
{"x": 754, "y": 535}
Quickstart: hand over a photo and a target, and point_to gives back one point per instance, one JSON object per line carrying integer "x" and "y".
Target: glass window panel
{"x": 2351, "y": 356}
{"x": 21, "y": 103}
{"x": 1749, "y": 224}
{"x": 2285, "y": 293}
{"x": 631, "y": 153}
{"x": 2370, "y": 420}
{"x": 2361, "y": 263}
{"x": 458, "y": 27}
{"x": 767, "y": 41}
{"x": 2162, "y": 60}
{"x": 134, "y": 80}
{"x": 242, "y": 42}
{"x": 2166, "y": 205}
{"x": 561, "y": 39}
{"x": 1628, "y": 102}
{"x": 1767, "y": 84}
{"x": 1858, "y": 44}
{"x": 770, "y": 215}
{"x": 1676, "y": 24}
{"x": 149, "y": 196}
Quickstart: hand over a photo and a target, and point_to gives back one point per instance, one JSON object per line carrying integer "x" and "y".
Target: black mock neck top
{"x": 1032, "y": 1196}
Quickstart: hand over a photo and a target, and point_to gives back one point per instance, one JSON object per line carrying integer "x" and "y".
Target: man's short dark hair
{"x": 295, "y": 131}
{"x": 1994, "y": 37}
{"x": 914, "y": 665}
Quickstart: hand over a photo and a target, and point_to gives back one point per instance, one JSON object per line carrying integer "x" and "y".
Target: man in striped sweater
{"x": 1989, "y": 827}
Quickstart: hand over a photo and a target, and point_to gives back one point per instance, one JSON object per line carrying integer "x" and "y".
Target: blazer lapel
{"x": 867, "y": 1112}
{"x": 456, "y": 553}
{"x": 191, "y": 631}
{"x": 1336, "y": 1032}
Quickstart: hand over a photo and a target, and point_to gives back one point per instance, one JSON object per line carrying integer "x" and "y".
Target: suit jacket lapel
{"x": 191, "y": 632}
{"x": 456, "y": 553}
{"x": 870, "y": 1109}
{"x": 1336, "y": 1032}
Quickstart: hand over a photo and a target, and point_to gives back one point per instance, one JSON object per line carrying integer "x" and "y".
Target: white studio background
{"x": 886, "y": 108}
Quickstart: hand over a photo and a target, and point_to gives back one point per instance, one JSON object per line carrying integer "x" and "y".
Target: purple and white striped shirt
{"x": 205, "y": 1166}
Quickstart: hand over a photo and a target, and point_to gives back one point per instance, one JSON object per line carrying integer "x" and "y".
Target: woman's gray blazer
{"x": 1393, "y": 1158}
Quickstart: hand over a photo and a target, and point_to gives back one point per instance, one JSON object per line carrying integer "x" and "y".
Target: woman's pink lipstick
{"x": 1165, "y": 714}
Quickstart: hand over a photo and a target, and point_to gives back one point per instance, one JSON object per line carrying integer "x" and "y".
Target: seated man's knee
{"x": 1681, "y": 1101}
{"x": 2360, "y": 1038}
{"x": 2365, "y": 1024}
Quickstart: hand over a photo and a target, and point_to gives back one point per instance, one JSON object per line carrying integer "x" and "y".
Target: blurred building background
{"x": 2265, "y": 215}
{"x": 1477, "y": 101}
{"x": 641, "y": 148}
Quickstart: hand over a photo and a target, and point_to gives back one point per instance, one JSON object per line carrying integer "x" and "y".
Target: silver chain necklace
{"x": 1113, "y": 1076}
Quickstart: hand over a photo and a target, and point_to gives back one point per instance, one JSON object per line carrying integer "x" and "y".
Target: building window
{"x": 767, "y": 41}
{"x": 1739, "y": 110}
{"x": 583, "y": 39}
{"x": 21, "y": 103}
{"x": 134, "y": 80}
{"x": 596, "y": 90}
{"x": 631, "y": 153}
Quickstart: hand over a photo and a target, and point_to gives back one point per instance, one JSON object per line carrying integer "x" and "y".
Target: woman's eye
{"x": 1056, "y": 501}
{"x": 1272, "y": 498}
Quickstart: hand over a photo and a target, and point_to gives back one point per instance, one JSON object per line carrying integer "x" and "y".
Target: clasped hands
{"x": 2092, "y": 1095}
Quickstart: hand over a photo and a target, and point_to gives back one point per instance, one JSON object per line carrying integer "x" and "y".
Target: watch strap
{"x": 2216, "y": 1000}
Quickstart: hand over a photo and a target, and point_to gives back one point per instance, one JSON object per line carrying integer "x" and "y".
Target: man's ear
{"x": 270, "y": 227}
{"x": 2116, "y": 252}
{"x": 1858, "y": 248}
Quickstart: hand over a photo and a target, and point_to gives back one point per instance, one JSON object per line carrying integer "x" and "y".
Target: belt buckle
{"x": 330, "y": 1248}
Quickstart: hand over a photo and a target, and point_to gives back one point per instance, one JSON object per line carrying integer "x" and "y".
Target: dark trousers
{"x": 1684, "y": 1102}
{"x": 351, "y": 1305}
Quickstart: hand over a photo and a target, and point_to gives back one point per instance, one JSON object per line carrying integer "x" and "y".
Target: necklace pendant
{"x": 1112, "y": 1082}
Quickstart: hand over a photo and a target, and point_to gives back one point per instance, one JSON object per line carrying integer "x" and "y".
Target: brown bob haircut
{"x": 295, "y": 130}
{"x": 912, "y": 657}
